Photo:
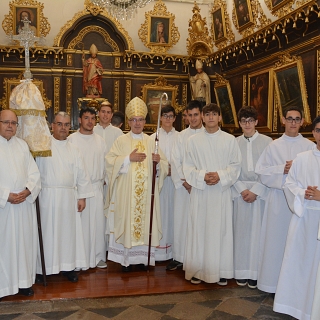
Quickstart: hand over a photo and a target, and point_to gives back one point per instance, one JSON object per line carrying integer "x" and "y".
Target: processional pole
{"x": 27, "y": 39}
{"x": 154, "y": 173}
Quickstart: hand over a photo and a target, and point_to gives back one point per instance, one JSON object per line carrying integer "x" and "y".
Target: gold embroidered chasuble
{"x": 131, "y": 192}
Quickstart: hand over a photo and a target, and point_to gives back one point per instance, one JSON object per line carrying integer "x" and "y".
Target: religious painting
{"x": 151, "y": 95}
{"x": 290, "y": 85}
{"x": 260, "y": 96}
{"x": 26, "y": 12}
{"x": 218, "y": 26}
{"x": 159, "y": 30}
{"x": 243, "y": 13}
{"x": 225, "y": 102}
{"x": 10, "y": 84}
{"x": 276, "y": 4}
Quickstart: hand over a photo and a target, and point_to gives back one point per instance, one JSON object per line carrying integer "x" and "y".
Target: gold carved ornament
{"x": 159, "y": 14}
{"x": 228, "y": 35}
{"x": 10, "y": 20}
{"x": 199, "y": 42}
{"x": 257, "y": 18}
{"x": 94, "y": 10}
{"x": 281, "y": 9}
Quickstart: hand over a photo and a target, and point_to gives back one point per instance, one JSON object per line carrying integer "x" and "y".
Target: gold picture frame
{"x": 148, "y": 32}
{"x": 290, "y": 85}
{"x": 243, "y": 13}
{"x": 151, "y": 94}
{"x": 225, "y": 101}
{"x": 260, "y": 96}
{"x": 31, "y": 9}
{"x": 10, "y": 83}
{"x": 219, "y": 32}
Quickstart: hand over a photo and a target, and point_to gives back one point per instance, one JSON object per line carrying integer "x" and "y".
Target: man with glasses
{"x": 130, "y": 170}
{"x": 20, "y": 186}
{"x": 92, "y": 148}
{"x": 182, "y": 188}
{"x": 297, "y": 285}
{"x": 65, "y": 187}
{"x": 249, "y": 196}
{"x": 273, "y": 167}
{"x": 167, "y": 136}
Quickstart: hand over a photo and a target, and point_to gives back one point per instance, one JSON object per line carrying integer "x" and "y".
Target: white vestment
{"x": 296, "y": 286}
{"x": 92, "y": 147}
{"x": 18, "y": 222}
{"x": 109, "y": 135}
{"x": 209, "y": 244}
{"x": 315, "y": 314}
{"x": 129, "y": 200}
{"x": 277, "y": 215}
{"x": 247, "y": 217}
{"x": 64, "y": 180}
{"x": 181, "y": 195}
{"x": 164, "y": 250}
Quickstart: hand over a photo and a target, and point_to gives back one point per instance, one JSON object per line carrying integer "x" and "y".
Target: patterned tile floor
{"x": 230, "y": 304}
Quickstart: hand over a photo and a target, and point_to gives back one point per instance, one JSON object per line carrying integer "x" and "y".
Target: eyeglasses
{"x": 134, "y": 120}
{"x": 168, "y": 116}
{"x": 60, "y": 124}
{"x": 7, "y": 122}
{"x": 290, "y": 120}
{"x": 249, "y": 120}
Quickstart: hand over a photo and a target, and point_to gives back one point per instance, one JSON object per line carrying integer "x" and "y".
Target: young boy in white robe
{"x": 249, "y": 195}
{"x": 182, "y": 188}
{"x": 297, "y": 280}
{"x": 211, "y": 166}
{"x": 167, "y": 136}
{"x": 272, "y": 167}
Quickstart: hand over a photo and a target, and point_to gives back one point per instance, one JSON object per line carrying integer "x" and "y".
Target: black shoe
{"x": 71, "y": 276}
{"x": 126, "y": 269}
{"x": 222, "y": 282}
{"x": 39, "y": 278}
{"x": 143, "y": 267}
{"x": 173, "y": 265}
{"x": 252, "y": 284}
{"x": 241, "y": 282}
{"x": 28, "y": 292}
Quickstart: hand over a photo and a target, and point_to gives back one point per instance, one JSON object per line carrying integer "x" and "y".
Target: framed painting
{"x": 159, "y": 30}
{"x": 243, "y": 13}
{"x": 290, "y": 85}
{"x": 276, "y": 4}
{"x": 260, "y": 96}
{"x": 225, "y": 101}
{"x": 218, "y": 26}
{"x": 151, "y": 95}
{"x": 26, "y": 12}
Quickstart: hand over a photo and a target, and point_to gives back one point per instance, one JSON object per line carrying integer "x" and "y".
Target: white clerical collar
{"x": 250, "y": 139}
{"x": 196, "y": 130}
{"x": 299, "y": 136}
{"x": 316, "y": 151}
{"x": 136, "y": 135}
{"x": 165, "y": 132}
{"x": 59, "y": 141}
{"x": 212, "y": 134}
{"x": 105, "y": 127}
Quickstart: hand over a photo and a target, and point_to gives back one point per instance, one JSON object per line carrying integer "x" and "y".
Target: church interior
{"x": 267, "y": 57}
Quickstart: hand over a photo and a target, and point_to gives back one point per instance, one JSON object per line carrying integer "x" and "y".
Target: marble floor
{"x": 159, "y": 294}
